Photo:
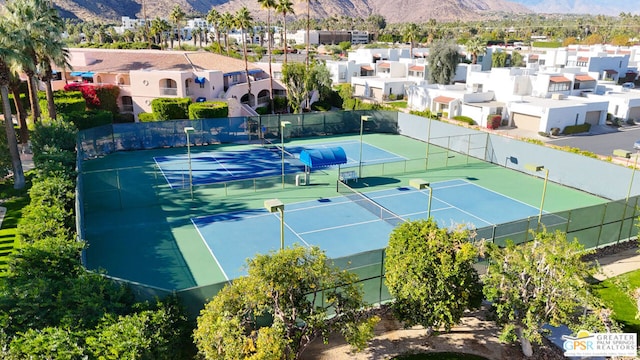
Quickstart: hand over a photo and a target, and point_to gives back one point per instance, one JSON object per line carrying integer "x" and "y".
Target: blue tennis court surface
{"x": 341, "y": 227}
{"x": 223, "y": 166}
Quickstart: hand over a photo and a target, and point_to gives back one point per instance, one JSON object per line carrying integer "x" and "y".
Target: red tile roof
{"x": 559, "y": 79}
{"x": 584, "y": 78}
{"x": 443, "y": 99}
{"x": 416, "y": 68}
{"x": 384, "y": 65}
{"x": 366, "y": 68}
{"x": 583, "y": 59}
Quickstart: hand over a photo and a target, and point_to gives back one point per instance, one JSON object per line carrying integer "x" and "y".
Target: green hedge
{"x": 464, "y": 119}
{"x": 88, "y": 119}
{"x": 65, "y": 101}
{"x": 170, "y": 108}
{"x": 147, "y": 117}
{"x": 575, "y": 129}
{"x": 208, "y": 110}
{"x": 546, "y": 44}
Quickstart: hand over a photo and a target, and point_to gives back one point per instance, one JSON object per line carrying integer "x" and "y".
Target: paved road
{"x": 602, "y": 142}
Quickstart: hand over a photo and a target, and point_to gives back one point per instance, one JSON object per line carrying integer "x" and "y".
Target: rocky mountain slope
{"x": 394, "y": 11}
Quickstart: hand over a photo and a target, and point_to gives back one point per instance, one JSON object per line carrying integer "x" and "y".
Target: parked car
{"x": 628, "y": 85}
{"x": 636, "y": 145}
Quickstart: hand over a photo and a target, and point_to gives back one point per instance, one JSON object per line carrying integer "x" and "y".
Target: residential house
{"x": 143, "y": 75}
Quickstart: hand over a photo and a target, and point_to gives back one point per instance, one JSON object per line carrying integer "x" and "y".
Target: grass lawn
{"x": 14, "y": 201}
{"x": 400, "y": 104}
{"x": 440, "y": 356}
{"x": 624, "y": 308}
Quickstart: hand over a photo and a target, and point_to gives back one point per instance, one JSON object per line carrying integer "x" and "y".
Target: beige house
{"x": 143, "y": 75}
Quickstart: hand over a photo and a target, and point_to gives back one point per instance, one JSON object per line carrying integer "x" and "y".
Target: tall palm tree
{"x": 411, "y": 34}
{"x": 308, "y": 29}
{"x": 36, "y": 23}
{"x": 226, "y": 24}
{"x": 9, "y": 55}
{"x": 285, "y": 7}
{"x": 176, "y": 16}
{"x": 476, "y": 46}
{"x": 52, "y": 51}
{"x": 159, "y": 28}
{"x": 269, "y": 4}
{"x": 213, "y": 18}
{"x": 243, "y": 20}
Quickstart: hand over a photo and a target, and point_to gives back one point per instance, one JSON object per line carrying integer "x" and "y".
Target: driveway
{"x": 602, "y": 141}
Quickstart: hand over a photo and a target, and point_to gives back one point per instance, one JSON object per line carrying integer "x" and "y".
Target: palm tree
{"x": 269, "y": 4}
{"x": 226, "y": 23}
{"x": 159, "y": 28}
{"x": 213, "y": 18}
{"x": 308, "y": 29}
{"x": 9, "y": 55}
{"x": 476, "y": 46}
{"x": 52, "y": 51}
{"x": 243, "y": 20}
{"x": 411, "y": 34}
{"x": 285, "y": 7}
{"x": 36, "y": 24}
{"x": 176, "y": 16}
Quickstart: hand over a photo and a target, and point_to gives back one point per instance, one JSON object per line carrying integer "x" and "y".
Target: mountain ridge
{"x": 394, "y": 11}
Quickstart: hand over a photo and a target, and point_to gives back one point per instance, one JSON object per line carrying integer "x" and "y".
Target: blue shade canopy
{"x": 199, "y": 80}
{"x": 315, "y": 158}
{"x": 87, "y": 74}
{"x": 77, "y": 73}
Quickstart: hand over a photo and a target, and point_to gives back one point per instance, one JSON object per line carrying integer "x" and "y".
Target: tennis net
{"x": 369, "y": 205}
{"x": 269, "y": 145}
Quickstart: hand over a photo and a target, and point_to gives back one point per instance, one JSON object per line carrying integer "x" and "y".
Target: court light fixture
{"x": 283, "y": 124}
{"x": 363, "y": 118}
{"x": 189, "y": 130}
{"x": 537, "y": 168}
{"x": 421, "y": 185}
{"x": 275, "y": 205}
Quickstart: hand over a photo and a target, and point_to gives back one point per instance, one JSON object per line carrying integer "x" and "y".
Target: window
{"x": 127, "y": 104}
{"x": 559, "y": 86}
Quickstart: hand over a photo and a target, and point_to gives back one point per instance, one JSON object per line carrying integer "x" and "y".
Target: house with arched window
{"x": 144, "y": 75}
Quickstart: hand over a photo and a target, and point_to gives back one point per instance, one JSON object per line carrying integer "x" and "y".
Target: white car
{"x": 636, "y": 145}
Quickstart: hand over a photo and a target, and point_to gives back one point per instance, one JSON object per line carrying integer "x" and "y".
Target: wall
{"x": 569, "y": 169}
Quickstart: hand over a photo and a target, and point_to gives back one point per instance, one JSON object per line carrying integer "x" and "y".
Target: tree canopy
{"x": 443, "y": 60}
{"x": 281, "y": 306}
{"x": 536, "y": 283}
{"x": 430, "y": 273}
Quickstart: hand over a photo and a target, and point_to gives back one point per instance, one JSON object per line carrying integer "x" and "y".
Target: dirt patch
{"x": 475, "y": 335}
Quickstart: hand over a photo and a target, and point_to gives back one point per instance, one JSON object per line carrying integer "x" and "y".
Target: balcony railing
{"x": 168, "y": 91}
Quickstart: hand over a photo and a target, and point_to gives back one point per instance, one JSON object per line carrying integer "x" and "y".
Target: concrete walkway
{"x": 618, "y": 263}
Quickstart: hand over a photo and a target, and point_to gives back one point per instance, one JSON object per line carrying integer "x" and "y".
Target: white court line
{"x": 222, "y": 165}
{"x": 457, "y": 208}
{"x": 341, "y": 226}
{"x": 162, "y": 172}
{"x": 295, "y": 233}
{"x": 210, "y": 250}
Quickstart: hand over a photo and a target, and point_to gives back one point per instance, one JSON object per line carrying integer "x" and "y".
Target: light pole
{"x": 189, "y": 130}
{"x": 272, "y": 206}
{"x": 536, "y": 168}
{"x": 363, "y": 118}
{"x": 626, "y": 201}
{"x": 421, "y": 185}
{"x": 283, "y": 124}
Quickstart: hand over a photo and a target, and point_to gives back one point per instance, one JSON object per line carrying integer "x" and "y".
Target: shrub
{"x": 493, "y": 121}
{"x": 147, "y": 117}
{"x": 321, "y": 106}
{"x": 88, "y": 119}
{"x": 575, "y": 129}
{"x": 56, "y": 134}
{"x": 208, "y": 110}
{"x": 124, "y": 118}
{"x": 262, "y": 110}
{"x": 171, "y": 108}
{"x": 464, "y": 119}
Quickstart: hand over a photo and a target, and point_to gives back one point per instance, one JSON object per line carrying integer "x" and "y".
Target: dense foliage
{"x": 170, "y": 108}
{"x": 275, "y": 314}
{"x": 208, "y": 110}
{"x": 429, "y": 271}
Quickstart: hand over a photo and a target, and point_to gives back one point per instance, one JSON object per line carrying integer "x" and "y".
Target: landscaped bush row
{"x": 464, "y": 119}
{"x": 50, "y": 306}
{"x": 575, "y": 129}
{"x": 183, "y": 108}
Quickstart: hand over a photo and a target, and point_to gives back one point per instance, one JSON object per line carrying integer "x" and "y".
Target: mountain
{"x": 593, "y": 7}
{"x": 394, "y": 11}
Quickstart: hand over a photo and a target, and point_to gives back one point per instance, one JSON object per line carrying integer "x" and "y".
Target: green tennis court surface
{"x": 140, "y": 229}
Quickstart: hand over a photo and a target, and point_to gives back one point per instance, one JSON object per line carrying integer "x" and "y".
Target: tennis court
{"x": 352, "y": 223}
{"x": 261, "y": 161}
